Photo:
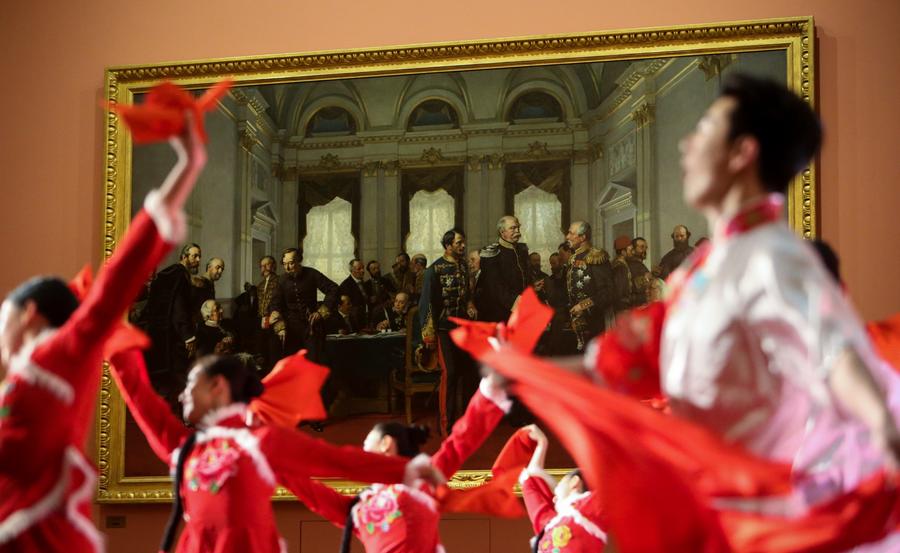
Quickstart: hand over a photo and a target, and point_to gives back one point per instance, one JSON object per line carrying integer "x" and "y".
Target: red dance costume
{"x": 231, "y": 473}
{"x": 47, "y": 403}
{"x": 399, "y": 519}
{"x": 568, "y": 526}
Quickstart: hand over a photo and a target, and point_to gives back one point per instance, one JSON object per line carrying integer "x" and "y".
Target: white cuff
{"x": 591, "y": 352}
{"x": 172, "y": 226}
{"x": 495, "y": 395}
{"x": 524, "y": 475}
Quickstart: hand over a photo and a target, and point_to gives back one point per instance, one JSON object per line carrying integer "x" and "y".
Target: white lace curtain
{"x": 540, "y": 214}
{"x": 328, "y": 245}
{"x": 431, "y": 214}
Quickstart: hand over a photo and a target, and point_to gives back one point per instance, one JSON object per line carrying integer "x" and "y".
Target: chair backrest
{"x": 413, "y": 338}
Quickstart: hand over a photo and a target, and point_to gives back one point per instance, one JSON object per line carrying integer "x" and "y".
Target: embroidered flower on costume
{"x": 378, "y": 509}
{"x": 209, "y": 469}
{"x": 559, "y": 537}
{"x": 5, "y": 389}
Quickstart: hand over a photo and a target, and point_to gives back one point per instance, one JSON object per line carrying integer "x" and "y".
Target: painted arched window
{"x": 431, "y": 214}
{"x": 329, "y": 244}
{"x": 331, "y": 121}
{"x": 540, "y": 214}
{"x": 433, "y": 115}
{"x": 535, "y": 106}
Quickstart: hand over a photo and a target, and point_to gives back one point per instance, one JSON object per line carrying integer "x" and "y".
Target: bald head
{"x": 681, "y": 237}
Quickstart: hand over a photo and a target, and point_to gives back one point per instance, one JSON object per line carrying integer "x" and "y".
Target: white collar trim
{"x": 25, "y": 368}
{"x": 23, "y": 519}
{"x": 566, "y": 509}
{"x": 215, "y": 416}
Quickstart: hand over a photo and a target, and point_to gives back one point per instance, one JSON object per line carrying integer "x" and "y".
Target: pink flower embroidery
{"x": 209, "y": 469}
{"x": 378, "y": 509}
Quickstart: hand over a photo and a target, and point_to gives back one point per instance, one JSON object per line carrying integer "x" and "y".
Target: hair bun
{"x": 253, "y": 386}
{"x": 419, "y": 434}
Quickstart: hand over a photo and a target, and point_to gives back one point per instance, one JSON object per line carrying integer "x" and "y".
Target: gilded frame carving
{"x": 795, "y": 36}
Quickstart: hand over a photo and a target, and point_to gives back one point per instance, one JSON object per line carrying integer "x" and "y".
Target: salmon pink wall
{"x": 54, "y": 54}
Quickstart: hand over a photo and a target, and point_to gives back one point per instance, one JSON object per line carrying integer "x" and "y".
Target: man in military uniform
{"x": 445, "y": 294}
{"x": 625, "y": 292}
{"x": 505, "y": 271}
{"x": 589, "y": 282}
{"x": 268, "y": 346}
{"x": 292, "y": 311}
{"x": 640, "y": 275}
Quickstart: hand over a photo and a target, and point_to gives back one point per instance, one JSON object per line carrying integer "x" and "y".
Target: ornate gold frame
{"x": 793, "y": 35}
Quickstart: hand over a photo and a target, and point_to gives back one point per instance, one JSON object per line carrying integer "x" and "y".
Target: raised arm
{"x": 151, "y": 235}
{"x": 537, "y": 484}
{"x": 320, "y": 499}
{"x": 486, "y": 408}
{"x": 164, "y": 432}
{"x": 293, "y": 455}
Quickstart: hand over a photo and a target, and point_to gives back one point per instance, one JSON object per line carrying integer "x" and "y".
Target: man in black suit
{"x": 344, "y": 320}
{"x": 169, "y": 321}
{"x": 293, "y": 312}
{"x": 358, "y": 289}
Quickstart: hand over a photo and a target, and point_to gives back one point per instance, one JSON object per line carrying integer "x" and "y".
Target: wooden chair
{"x": 413, "y": 378}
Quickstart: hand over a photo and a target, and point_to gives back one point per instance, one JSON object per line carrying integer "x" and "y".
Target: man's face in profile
{"x": 705, "y": 155}
{"x": 191, "y": 260}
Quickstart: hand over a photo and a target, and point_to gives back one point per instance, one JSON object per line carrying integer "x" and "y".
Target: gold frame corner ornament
{"x": 794, "y": 35}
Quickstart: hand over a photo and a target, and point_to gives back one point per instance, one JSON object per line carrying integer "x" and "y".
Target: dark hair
{"x": 554, "y": 253}
{"x": 52, "y": 297}
{"x": 635, "y": 240}
{"x": 369, "y": 264}
{"x": 297, "y": 251}
{"x": 420, "y": 260}
{"x": 788, "y": 131}
{"x": 565, "y": 246}
{"x": 828, "y": 257}
{"x": 409, "y": 438}
{"x": 405, "y": 256}
{"x": 187, "y": 247}
{"x": 243, "y": 380}
{"x": 577, "y": 472}
{"x": 450, "y": 235}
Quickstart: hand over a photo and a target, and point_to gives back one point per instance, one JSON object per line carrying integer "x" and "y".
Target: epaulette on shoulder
{"x": 596, "y": 256}
{"x": 490, "y": 250}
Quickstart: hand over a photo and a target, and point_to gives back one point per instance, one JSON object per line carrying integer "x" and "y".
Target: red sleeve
{"x": 538, "y": 501}
{"x": 293, "y": 454}
{"x": 320, "y": 499}
{"x": 116, "y": 287}
{"x": 628, "y": 354}
{"x": 164, "y": 432}
{"x": 468, "y": 433}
